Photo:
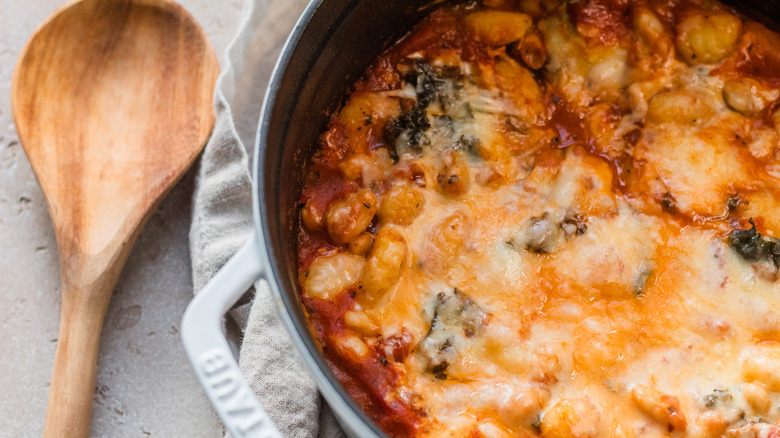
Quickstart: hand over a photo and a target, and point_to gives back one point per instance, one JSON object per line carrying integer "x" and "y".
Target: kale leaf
{"x": 428, "y": 86}
{"x": 754, "y": 247}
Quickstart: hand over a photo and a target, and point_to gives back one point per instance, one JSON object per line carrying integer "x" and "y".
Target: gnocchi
{"x": 706, "y": 37}
{"x": 571, "y": 418}
{"x": 678, "y": 107}
{"x": 329, "y": 275}
{"x": 762, "y": 365}
{"x": 385, "y": 264}
{"x": 498, "y": 28}
{"x": 748, "y": 95}
{"x": 401, "y": 205}
{"x": 347, "y": 219}
{"x": 659, "y": 406}
{"x": 454, "y": 179}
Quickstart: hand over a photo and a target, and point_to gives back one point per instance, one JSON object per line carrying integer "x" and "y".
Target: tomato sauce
{"x": 368, "y": 381}
{"x": 605, "y": 21}
{"x": 757, "y": 55}
{"x": 322, "y": 184}
{"x": 437, "y": 32}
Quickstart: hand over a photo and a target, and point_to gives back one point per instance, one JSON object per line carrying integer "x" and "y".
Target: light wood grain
{"x": 112, "y": 100}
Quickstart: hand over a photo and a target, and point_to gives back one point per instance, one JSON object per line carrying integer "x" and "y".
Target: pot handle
{"x": 208, "y": 350}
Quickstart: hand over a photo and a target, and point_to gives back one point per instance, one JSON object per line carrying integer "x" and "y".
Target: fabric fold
{"x": 222, "y": 221}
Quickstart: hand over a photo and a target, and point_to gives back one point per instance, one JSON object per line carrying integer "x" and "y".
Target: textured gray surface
{"x": 145, "y": 386}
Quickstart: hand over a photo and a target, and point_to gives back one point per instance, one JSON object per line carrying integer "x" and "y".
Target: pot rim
{"x": 347, "y": 412}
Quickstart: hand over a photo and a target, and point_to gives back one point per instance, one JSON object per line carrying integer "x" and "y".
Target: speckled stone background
{"x": 145, "y": 386}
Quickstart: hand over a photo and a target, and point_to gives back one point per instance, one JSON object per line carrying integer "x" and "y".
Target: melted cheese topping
{"x": 555, "y": 252}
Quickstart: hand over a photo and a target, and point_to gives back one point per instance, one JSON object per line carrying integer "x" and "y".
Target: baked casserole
{"x": 534, "y": 218}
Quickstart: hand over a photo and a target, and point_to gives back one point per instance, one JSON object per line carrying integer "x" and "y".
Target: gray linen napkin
{"x": 222, "y": 221}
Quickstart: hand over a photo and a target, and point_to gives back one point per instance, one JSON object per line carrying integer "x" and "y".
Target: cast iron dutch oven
{"x": 329, "y": 48}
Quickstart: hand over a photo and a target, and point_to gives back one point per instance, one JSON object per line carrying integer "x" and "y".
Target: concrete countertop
{"x": 144, "y": 385}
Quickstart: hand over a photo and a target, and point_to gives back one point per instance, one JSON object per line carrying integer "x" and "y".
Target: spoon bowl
{"x": 112, "y": 101}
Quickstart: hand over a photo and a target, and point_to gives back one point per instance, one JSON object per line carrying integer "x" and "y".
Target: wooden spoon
{"x": 112, "y": 101}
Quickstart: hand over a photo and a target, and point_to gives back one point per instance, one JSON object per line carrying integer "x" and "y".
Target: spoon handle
{"x": 72, "y": 388}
